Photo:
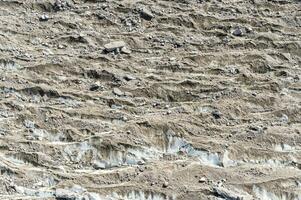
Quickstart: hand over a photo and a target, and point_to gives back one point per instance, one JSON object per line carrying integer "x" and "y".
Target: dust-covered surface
{"x": 151, "y": 99}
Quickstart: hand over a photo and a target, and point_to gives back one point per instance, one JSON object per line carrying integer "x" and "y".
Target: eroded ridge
{"x": 154, "y": 100}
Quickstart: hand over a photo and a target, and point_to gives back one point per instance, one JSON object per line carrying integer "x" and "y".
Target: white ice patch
{"x": 9, "y": 65}
{"x": 139, "y": 195}
{"x": 270, "y": 163}
{"x": 107, "y": 158}
{"x": 284, "y": 148}
{"x": 76, "y": 152}
{"x": 34, "y": 193}
{"x": 227, "y": 162}
{"x": 263, "y": 194}
{"x": 176, "y": 145}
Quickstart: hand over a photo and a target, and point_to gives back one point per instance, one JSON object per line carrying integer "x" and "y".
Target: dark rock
{"x": 216, "y": 114}
{"x": 146, "y": 14}
{"x": 238, "y": 32}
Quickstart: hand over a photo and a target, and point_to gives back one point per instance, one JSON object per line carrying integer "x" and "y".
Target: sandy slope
{"x": 203, "y": 102}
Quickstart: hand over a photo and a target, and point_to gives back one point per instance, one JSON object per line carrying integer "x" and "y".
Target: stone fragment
{"x": 125, "y": 50}
{"x": 95, "y": 86}
{"x": 231, "y": 195}
{"x": 29, "y": 124}
{"x": 216, "y": 114}
{"x": 112, "y": 46}
{"x": 165, "y": 184}
{"x": 64, "y": 194}
{"x": 44, "y": 18}
{"x": 146, "y": 14}
{"x": 202, "y": 180}
{"x": 99, "y": 165}
{"x": 129, "y": 78}
{"x": 238, "y": 32}
{"x": 118, "y": 92}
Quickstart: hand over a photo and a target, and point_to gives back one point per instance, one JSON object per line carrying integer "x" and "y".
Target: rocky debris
{"x": 165, "y": 184}
{"x": 146, "y": 14}
{"x": 216, "y": 114}
{"x": 114, "y": 46}
{"x": 75, "y": 193}
{"x": 99, "y": 165}
{"x": 239, "y": 32}
{"x": 44, "y": 18}
{"x": 95, "y": 86}
{"x": 125, "y": 50}
{"x": 29, "y": 124}
{"x": 141, "y": 168}
{"x": 118, "y": 92}
{"x": 202, "y": 180}
{"x": 231, "y": 195}
{"x": 129, "y": 78}
{"x": 60, "y": 5}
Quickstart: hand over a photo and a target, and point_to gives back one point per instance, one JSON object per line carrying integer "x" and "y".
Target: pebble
{"x": 237, "y": 32}
{"x": 129, "y": 78}
{"x": 99, "y": 165}
{"x": 284, "y": 118}
{"x": 125, "y": 50}
{"x": 202, "y": 180}
{"x": 216, "y": 114}
{"x": 112, "y": 46}
{"x": 95, "y": 86}
{"x": 141, "y": 168}
{"x": 29, "y": 124}
{"x": 140, "y": 162}
{"x": 118, "y": 92}
{"x": 165, "y": 184}
{"x": 44, "y": 18}
{"x": 146, "y": 14}
{"x": 64, "y": 194}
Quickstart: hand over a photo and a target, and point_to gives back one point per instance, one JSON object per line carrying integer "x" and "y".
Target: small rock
{"x": 60, "y": 46}
{"x": 146, "y": 14}
{"x": 216, "y": 114}
{"x": 165, "y": 184}
{"x": 129, "y": 78}
{"x": 141, "y": 168}
{"x": 44, "y": 18}
{"x": 99, "y": 165}
{"x": 249, "y": 30}
{"x": 117, "y": 45}
{"x": 202, "y": 180}
{"x": 118, "y": 92}
{"x": 64, "y": 194}
{"x": 29, "y": 124}
{"x": 124, "y": 118}
{"x": 284, "y": 118}
{"x": 60, "y": 5}
{"x": 125, "y": 50}
{"x": 140, "y": 162}
{"x": 238, "y": 32}
{"x": 95, "y": 87}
